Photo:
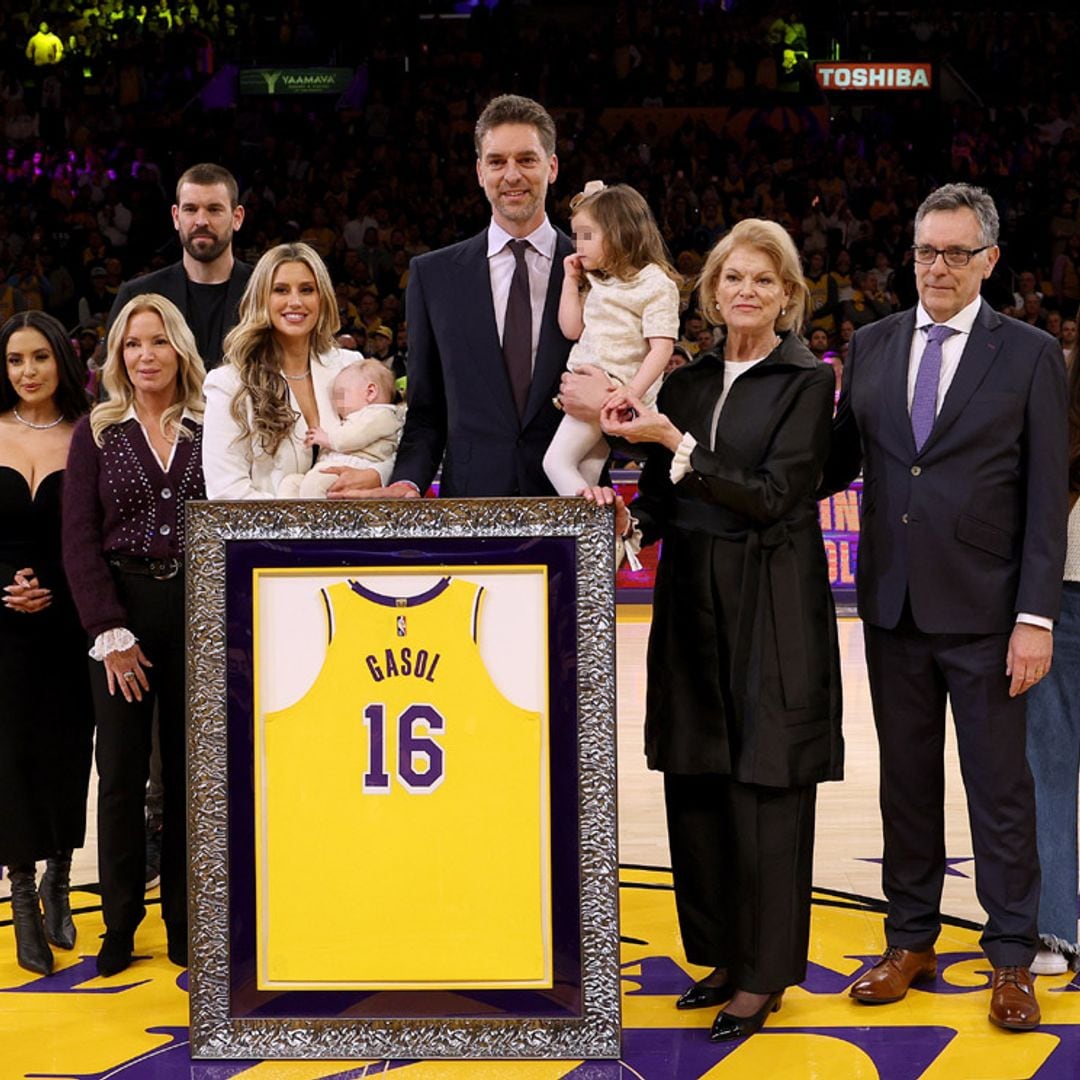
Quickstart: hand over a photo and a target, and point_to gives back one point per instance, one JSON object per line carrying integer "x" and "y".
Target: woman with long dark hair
{"x": 46, "y": 719}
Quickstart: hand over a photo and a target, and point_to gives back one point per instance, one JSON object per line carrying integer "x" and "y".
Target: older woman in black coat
{"x": 743, "y": 703}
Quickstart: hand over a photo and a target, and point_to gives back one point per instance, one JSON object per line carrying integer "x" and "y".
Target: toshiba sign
{"x": 851, "y": 76}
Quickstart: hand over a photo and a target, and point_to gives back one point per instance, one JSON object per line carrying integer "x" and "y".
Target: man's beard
{"x": 202, "y": 253}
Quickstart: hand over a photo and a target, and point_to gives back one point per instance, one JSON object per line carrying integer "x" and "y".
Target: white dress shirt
{"x": 501, "y": 264}
{"x": 952, "y": 348}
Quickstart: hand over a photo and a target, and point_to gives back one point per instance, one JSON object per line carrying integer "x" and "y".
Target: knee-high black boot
{"x": 55, "y": 893}
{"x": 31, "y": 949}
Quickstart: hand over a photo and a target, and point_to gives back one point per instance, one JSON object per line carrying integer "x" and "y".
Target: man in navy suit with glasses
{"x": 957, "y": 416}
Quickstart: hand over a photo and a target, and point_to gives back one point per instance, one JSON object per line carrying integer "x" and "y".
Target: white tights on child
{"x": 576, "y": 457}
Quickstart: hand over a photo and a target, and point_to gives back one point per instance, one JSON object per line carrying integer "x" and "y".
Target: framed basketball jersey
{"x": 402, "y": 779}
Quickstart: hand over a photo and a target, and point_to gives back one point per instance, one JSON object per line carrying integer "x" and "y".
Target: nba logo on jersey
{"x": 401, "y": 626}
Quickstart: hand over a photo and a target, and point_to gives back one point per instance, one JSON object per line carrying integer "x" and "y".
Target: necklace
{"x": 297, "y": 378}
{"x": 37, "y": 427}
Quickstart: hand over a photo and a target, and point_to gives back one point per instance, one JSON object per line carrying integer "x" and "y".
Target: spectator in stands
{"x": 1066, "y": 275}
{"x": 818, "y": 342}
{"x": 44, "y": 48}
{"x": 96, "y": 302}
{"x": 1026, "y": 285}
{"x": 1032, "y": 311}
{"x": 1068, "y": 341}
{"x": 864, "y": 307}
{"x": 823, "y": 293}
{"x": 841, "y": 274}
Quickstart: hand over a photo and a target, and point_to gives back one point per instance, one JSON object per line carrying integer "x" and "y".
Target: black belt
{"x": 161, "y": 569}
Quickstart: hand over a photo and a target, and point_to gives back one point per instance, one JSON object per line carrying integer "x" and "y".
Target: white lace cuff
{"x": 109, "y": 641}
{"x": 628, "y": 546}
{"x": 680, "y": 463}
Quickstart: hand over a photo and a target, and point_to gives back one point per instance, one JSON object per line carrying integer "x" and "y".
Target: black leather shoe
{"x": 726, "y": 1026}
{"x": 115, "y": 954}
{"x": 700, "y": 996}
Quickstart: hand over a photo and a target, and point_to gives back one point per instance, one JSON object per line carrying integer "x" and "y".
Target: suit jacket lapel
{"x": 550, "y": 358}
{"x": 237, "y": 285}
{"x": 480, "y": 328}
{"x": 896, "y": 380}
{"x": 322, "y": 382}
{"x": 177, "y": 292}
{"x": 975, "y": 362}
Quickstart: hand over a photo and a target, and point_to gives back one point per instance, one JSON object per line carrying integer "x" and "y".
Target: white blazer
{"x": 238, "y": 468}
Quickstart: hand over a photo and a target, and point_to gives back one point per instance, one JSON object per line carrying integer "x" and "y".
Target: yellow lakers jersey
{"x": 401, "y": 806}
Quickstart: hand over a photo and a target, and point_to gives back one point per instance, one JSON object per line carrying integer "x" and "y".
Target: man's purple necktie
{"x": 924, "y": 400}
{"x": 517, "y": 327}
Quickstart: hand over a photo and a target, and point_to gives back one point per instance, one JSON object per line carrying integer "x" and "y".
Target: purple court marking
{"x": 69, "y": 980}
{"x": 1064, "y": 1059}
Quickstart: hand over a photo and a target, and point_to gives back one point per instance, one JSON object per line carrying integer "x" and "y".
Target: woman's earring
{"x": 783, "y": 311}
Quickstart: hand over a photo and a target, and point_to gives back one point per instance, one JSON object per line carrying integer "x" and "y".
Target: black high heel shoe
{"x": 726, "y": 1026}
{"x": 702, "y": 996}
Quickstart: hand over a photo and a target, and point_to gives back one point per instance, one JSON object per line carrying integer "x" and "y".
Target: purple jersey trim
{"x": 400, "y": 601}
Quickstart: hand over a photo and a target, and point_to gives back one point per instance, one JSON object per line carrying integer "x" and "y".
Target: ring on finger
{"x": 129, "y": 675}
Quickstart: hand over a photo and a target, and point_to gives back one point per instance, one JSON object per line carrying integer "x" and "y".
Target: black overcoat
{"x": 743, "y": 661}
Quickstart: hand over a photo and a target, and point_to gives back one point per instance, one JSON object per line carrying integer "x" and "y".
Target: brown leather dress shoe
{"x": 888, "y": 980}
{"x": 1012, "y": 1001}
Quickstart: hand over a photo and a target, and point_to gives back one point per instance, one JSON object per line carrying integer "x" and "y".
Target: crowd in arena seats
{"x": 92, "y": 145}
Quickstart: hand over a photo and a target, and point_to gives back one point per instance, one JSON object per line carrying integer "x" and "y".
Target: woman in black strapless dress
{"x": 46, "y": 717}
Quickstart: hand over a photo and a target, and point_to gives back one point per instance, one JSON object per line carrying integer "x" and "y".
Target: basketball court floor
{"x": 75, "y": 1026}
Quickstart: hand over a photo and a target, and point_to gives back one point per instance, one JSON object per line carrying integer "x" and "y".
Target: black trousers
{"x": 742, "y": 860}
{"x": 911, "y": 675}
{"x": 156, "y": 617}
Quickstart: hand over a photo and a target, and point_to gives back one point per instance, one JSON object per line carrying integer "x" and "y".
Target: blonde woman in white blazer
{"x": 275, "y": 386}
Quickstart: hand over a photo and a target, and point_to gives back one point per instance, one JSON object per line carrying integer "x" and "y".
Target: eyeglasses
{"x": 955, "y": 257}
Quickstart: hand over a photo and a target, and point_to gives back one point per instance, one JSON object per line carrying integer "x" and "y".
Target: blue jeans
{"x": 1053, "y": 748}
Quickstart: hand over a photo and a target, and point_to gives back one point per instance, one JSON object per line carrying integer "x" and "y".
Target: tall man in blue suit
{"x": 958, "y": 418}
{"x": 485, "y": 350}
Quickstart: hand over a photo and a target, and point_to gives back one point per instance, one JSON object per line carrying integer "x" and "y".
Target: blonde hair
{"x": 631, "y": 238}
{"x": 374, "y": 371}
{"x": 253, "y": 349}
{"x": 772, "y": 240}
{"x": 114, "y": 377}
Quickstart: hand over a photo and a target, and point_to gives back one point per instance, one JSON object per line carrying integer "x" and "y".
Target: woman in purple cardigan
{"x": 133, "y": 464}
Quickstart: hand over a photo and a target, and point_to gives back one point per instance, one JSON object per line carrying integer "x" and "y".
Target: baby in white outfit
{"x": 367, "y": 432}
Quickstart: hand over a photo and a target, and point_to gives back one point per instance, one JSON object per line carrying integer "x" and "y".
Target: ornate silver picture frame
{"x": 235, "y": 1012}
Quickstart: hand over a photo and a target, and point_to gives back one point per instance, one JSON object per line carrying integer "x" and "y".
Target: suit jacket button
{"x": 904, "y": 518}
{"x": 915, "y": 470}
